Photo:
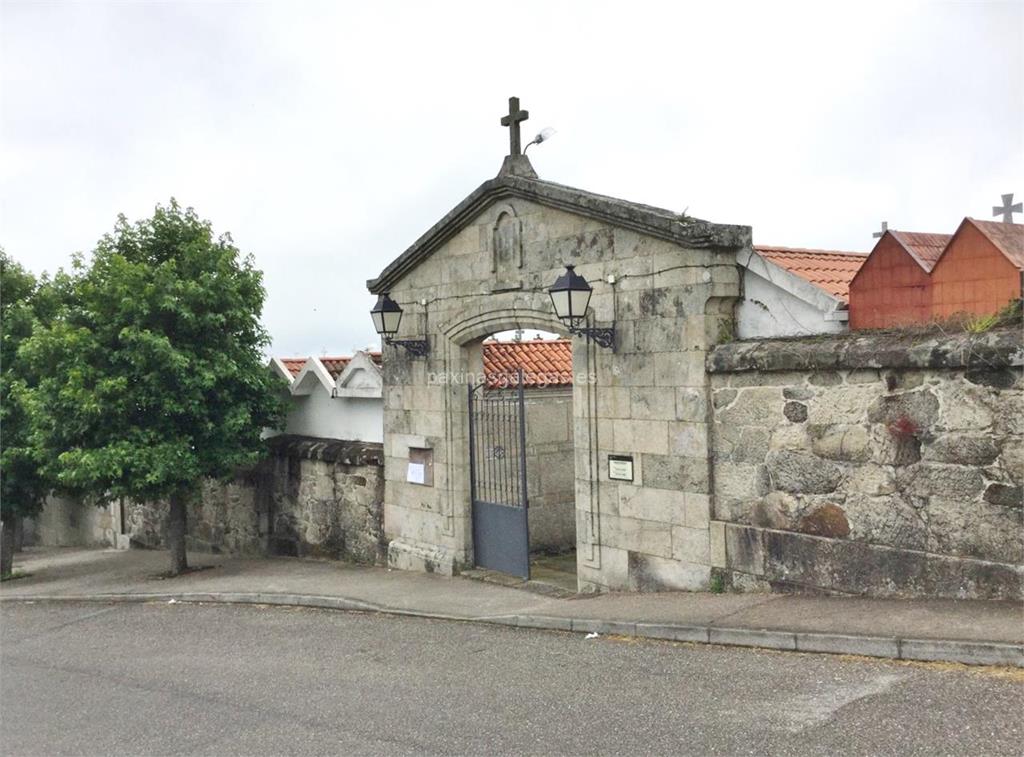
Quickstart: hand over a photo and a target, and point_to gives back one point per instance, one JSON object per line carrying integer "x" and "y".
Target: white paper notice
{"x": 416, "y": 473}
{"x": 620, "y": 469}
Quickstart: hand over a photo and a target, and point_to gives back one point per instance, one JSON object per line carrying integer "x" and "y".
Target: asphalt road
{"x": 90, "y": 679}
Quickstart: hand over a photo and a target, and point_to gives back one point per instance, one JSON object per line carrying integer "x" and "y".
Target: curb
{"x": 927, "y": 650}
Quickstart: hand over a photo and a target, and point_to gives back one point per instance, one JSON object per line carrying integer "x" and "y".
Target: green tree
{"x": 22, "y": 484}
{"x": 151, "y": 378}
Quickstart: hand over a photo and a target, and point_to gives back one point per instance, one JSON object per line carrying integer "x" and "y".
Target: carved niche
{"x": 506, "y": 245}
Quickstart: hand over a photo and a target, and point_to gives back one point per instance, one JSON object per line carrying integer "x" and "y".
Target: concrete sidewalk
{"x": 968, "y": 631}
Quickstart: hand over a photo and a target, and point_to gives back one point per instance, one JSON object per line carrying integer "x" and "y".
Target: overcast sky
{"x": 327, "y": 137}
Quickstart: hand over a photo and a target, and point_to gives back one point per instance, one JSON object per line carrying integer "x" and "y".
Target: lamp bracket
{"x": 415, "y": 347}
{"x": 603, "y": 337}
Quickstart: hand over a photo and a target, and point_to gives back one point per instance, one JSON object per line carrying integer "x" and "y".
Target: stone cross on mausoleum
{"x": 1007, "y": 209}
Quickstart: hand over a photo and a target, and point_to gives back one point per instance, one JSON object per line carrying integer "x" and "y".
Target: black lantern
{"x": 386, "y": 315}
{"x": 570, "y": 296}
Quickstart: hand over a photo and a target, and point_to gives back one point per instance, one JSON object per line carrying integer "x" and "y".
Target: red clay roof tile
{"x": 334, "y": 365}
{"x": 831, "y": 270}
{"x": 544, "y": 363}
{"x": 294, "y": 364}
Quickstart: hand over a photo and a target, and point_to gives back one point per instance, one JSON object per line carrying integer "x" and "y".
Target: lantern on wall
{"x": 386, "y": 316}
{"x": 570, "y": 296}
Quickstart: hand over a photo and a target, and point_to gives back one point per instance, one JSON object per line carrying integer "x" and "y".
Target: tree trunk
{"x": 177, "y": 520}
{"x": 6, "y": 547}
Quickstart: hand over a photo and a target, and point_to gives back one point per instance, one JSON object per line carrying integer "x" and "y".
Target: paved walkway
{"x": 974, "y": 632}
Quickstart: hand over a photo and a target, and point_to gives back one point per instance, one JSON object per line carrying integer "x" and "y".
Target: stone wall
{"x": 66, "y": 522}
{"x": 310, "y": 497}
{"x": 550, "y": 470}
{"x": 888, "y": 465}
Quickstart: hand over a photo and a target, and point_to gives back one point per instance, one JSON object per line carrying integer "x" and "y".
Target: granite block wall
{"x": 550, "y": 470}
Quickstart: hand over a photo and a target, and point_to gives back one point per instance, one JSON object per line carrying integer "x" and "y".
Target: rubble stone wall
{"x": 888, "y": 465}
{"x": 308, "y": 498}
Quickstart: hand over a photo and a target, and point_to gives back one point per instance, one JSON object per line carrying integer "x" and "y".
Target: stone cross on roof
{"x": 1008, "y": 208}
{"x": 881, "y": 233}
{"x": 515, "y": 115}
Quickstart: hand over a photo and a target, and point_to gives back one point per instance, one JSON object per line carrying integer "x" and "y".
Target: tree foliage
{"x": 151, "y": 375}
{"x": 22, "y": 485}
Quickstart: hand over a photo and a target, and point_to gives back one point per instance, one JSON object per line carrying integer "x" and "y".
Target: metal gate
{"x": 497, "y": 472}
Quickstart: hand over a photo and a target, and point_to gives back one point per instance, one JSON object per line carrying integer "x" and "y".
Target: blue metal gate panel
{"x": 500, "y": 538}
{"x": 497, "y": 462}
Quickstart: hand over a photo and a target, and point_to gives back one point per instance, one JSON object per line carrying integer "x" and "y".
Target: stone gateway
{"x": 666, "y": 281}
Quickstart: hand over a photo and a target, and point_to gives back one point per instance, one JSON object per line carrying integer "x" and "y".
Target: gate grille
{"x": 497, "y": 459}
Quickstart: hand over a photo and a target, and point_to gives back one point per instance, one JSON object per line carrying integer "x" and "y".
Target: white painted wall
{"x": 350, "y": 418}
{"x": 349, "y": 408}
{"x": 768, "y": 310}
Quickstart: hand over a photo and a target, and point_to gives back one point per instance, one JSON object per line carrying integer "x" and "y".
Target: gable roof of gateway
{"x": 655, "y": 222}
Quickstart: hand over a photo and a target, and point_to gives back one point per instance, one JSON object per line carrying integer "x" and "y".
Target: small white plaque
{"x": 620, "y": 468}
{"x": 417, "y": 473}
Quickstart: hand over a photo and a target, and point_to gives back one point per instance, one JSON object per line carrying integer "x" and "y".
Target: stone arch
{"x": 484, "y": 324}
{"x": 458, "y": 340}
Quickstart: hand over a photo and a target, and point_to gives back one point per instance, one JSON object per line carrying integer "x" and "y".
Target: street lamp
{"x": 386, "y": 315}
{"x": 570, "y": 296}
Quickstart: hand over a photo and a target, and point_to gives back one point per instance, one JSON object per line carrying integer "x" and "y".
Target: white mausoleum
{"x": 333, "y": 397}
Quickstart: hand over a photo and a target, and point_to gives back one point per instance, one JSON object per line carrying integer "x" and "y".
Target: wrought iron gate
{"x": 497, "y": 472}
